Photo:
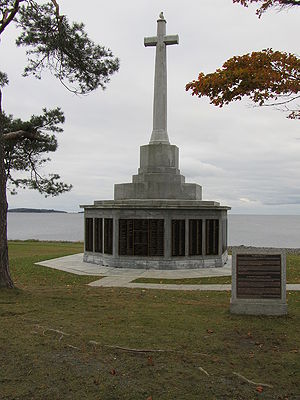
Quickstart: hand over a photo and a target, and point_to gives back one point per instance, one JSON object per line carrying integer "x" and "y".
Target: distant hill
{"x": 34, "y": 210}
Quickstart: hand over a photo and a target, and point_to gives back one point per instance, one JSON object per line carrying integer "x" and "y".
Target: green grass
{"x": 292, "y": 266}
{"x": 187, "y": 281}
{"x": 23, "y": 255}
{"x": 293, "y": 269}
{"x": 195, "y": 329}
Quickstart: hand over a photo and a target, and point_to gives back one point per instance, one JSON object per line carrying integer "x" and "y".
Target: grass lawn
{"x": 187, "y": 281}
{"x": 60, "y": 339}
{"x": 292, "y": 269}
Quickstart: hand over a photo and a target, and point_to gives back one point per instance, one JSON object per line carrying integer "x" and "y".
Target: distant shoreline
{"x": 35, "y": 210}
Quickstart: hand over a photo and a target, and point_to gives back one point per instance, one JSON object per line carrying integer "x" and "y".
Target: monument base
{"x": 158, "y": 264}
{"x": 156, "y": 234}
{"x": 250, "y": 307}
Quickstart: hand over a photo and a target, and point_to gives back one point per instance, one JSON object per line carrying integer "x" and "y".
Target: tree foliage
{"x": 63, "y": 48}
{"x": 57, "y": 45}
{"x": 26, "y": 146}
{"x": 267, "y": 77}
{"x": 267, "y": 4}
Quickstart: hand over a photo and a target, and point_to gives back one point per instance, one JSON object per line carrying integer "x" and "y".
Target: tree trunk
{"x": 5, "y": 279}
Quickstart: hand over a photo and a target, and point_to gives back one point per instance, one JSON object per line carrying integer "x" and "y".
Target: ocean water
{"x": 254, "y": 230}
{"x": 264, "y": 230}
{"x": 45, "y": 226}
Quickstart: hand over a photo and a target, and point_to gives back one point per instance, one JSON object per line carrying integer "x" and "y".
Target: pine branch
{"x": 56, "y": 5}
{"x": 19, "y": 135}
{"x": 9, "y": 15}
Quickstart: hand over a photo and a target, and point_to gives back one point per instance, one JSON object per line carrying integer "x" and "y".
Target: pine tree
{"x": 64, "y": 49}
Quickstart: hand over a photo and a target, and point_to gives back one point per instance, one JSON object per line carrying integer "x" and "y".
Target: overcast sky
{"x": 245, "y": 157}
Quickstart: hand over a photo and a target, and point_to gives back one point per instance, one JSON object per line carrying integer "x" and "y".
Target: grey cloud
{"x": 234, "y": 152}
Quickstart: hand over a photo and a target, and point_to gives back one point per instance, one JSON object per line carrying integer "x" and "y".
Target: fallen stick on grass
{"x": 139, "y": 350}
{"x": 146, "y": 350}
{"x": 94, "y": 342}
{"x": 204, "y": 371}
{"x": 57, "y": 331}
{"x": 73, "y": 347}
{"x": 252, "y": 382}
{"x": 62, "y": 334}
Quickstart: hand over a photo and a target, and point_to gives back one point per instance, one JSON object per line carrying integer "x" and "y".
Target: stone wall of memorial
{"x": 179, "y": 235}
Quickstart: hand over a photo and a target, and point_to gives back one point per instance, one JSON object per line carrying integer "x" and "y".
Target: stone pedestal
{"x": 158, "y": 177}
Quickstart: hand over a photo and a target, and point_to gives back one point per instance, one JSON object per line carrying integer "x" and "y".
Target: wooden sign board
{"x": 258, "y": 276}
{"x": 258, "y": 281}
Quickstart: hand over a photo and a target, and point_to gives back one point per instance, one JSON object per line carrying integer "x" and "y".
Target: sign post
{"x": 258, "y": 281}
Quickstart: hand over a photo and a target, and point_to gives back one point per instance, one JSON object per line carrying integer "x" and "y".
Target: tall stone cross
{"x": 160, "y": 133}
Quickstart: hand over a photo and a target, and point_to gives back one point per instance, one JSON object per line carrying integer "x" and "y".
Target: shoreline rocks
{"x": 289, "y": 250}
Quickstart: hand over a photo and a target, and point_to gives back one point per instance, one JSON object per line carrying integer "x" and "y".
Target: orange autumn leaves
{"x": 266, "y": 77}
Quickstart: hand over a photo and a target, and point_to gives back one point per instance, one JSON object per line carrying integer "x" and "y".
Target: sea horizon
{"x": 260, "y": 230}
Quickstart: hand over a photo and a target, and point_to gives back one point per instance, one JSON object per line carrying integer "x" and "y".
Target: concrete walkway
{"x": 123, "y": 277}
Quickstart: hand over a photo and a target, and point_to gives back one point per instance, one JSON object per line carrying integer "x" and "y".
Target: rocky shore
{"x": 290, "y": 250}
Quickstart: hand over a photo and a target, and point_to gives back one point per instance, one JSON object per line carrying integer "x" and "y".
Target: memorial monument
{"x": 157, "y": 221}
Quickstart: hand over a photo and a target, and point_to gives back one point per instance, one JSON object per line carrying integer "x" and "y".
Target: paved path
{"x": 123, "y": 277}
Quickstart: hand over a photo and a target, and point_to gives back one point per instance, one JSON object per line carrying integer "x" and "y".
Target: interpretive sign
{"x": 258, "y": 276}
{"x": 258, "y": 281}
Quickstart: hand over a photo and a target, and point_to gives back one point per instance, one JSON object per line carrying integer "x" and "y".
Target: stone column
{"x": 159, "y": 133}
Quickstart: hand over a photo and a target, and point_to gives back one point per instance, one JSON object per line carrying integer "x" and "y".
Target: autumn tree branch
{"x": 266, "y": 77}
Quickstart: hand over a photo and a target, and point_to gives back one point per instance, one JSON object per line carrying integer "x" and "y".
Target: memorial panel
{"x": 156, "y": 237}
{"x": 126, "y": 237}
{"x": 212, "y": 236}
{"x": 224, "y": 235}
{"x": 141, "y": 237}
{"x": 98, "y": 235}
{"x": 195, "y": 237}
{"x": 178, "y": 237}
{"x": 89, "y": 231}
{"x": 258, "y": 276}
{"x": 108, "y": 235}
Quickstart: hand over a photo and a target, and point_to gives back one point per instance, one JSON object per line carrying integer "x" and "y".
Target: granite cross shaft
{"x": 160, "y": 133}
